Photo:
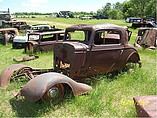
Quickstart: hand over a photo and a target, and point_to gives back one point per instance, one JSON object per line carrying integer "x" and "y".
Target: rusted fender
{"x": 6, "y": 74}
{"x": 36, "y": 88}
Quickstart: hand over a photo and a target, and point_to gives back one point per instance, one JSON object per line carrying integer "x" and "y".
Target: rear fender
{"x": 6, "y": 74}
{"x": 36, "y": 88}
{"x": 134, "y": 58}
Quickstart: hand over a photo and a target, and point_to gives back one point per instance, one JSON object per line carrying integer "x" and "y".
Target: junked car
{"x": 20, "y": 41}
{"x": 20, "y": 25}
{"x": 146, "y": 38}
{"x": 43, "y": 41}
{"x": 144, "y": 24}
{"x": 40, "y": 27}
{"x": 7, "y": 35}
{"x": 91, "y": 50}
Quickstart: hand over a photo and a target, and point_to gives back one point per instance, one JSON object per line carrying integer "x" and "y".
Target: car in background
{"x": 43, "y": 41}
{"x": 20, "y": 25}
{"x": 146, "y": 38}
{"x": 100, "y": 17}
{"x": 7, "y": 35}
{"x": 40, "y": 27}
{"x": 133, "y": 19}
{"x": 143, "y": 24}
{"x": 19, "y": 41}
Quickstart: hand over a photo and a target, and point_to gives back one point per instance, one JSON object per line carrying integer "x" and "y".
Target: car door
{"x": 103, "y": 57}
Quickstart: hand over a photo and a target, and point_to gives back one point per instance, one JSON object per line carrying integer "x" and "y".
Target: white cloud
{"x": 1, "y": 0}
{"x": 35, "y": 5}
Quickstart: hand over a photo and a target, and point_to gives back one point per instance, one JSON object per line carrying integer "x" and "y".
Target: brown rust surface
{"x": 146, "y": 106}
{"x": 7, "y": 73}
{"x": 44, "y": 44}
{"x": 26, "y": 58}
{"x": 8, "y": 36}
{"x": 88, "y": 58}
{"x": 146, "y": 38}
{"x": 36, "y": 88}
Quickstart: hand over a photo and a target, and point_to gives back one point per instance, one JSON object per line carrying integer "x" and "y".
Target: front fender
{"x": 6, "y": 74}
{"x": 36, "y": 88}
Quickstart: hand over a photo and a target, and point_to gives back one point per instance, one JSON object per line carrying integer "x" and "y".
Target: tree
{"x": 117, "y": 6}
{"x": 139, "y": 6}
{"x": 99, "y": 11}
{"x": 127, "y": 9}
{"x": 113, "y": 14}
{"x": 150, "y": 9}
{"x": 106, "y": 9}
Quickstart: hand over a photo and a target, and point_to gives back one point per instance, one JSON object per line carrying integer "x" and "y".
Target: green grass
{"x": 111, "y": 95}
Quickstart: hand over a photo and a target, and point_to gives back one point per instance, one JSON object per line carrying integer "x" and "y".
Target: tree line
{"x": 129, "y": 8}
{"x": 30, "y": 13}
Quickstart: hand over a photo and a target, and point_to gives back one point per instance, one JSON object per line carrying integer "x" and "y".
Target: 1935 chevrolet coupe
{"x": 91, "y": 50}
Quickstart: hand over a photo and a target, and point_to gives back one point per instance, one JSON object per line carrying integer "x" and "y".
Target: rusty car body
{"x": 43, "y": 41}
{"x": 102, "y": 49}
{"x": 35, "y": 35}
{"x": 5, "y": 15}
{"x": 41, "y": 27}
{"x": 146, "y": 38}
{"x": 7, "y": 35}
{"x": 91, "y": 50}
{"x": 20, "y": 25}
{"x": 143, "y": 24}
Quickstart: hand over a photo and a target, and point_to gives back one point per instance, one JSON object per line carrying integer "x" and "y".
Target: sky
{"x": 49, "y": 6}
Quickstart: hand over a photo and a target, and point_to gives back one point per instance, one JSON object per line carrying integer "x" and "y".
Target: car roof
{"x": 95, "y": 27}
{"x": 47, "y": 32}
{"x": 8, "y": 29}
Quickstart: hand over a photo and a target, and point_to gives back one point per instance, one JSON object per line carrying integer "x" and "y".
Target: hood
{"x": 20, "y": 39}
{"x": 76, "y": 46}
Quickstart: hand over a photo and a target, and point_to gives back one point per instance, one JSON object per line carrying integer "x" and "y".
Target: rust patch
{"x": 146, "y": 106}
{"x": 6, "y": 74}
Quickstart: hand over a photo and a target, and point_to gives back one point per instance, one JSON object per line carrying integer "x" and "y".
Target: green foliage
{"x": 127, "y": 10}
{"x": 106, "y": 9}
{"x": 150, "y": 9}
{"x": 113, "y": 14}
{"x": 139, "y": 8}
{"x": 130, "y": 8}
{"x": 117, "y": 6}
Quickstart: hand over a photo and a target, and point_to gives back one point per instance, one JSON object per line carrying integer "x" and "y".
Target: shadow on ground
{"x": 24, "y": 108}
